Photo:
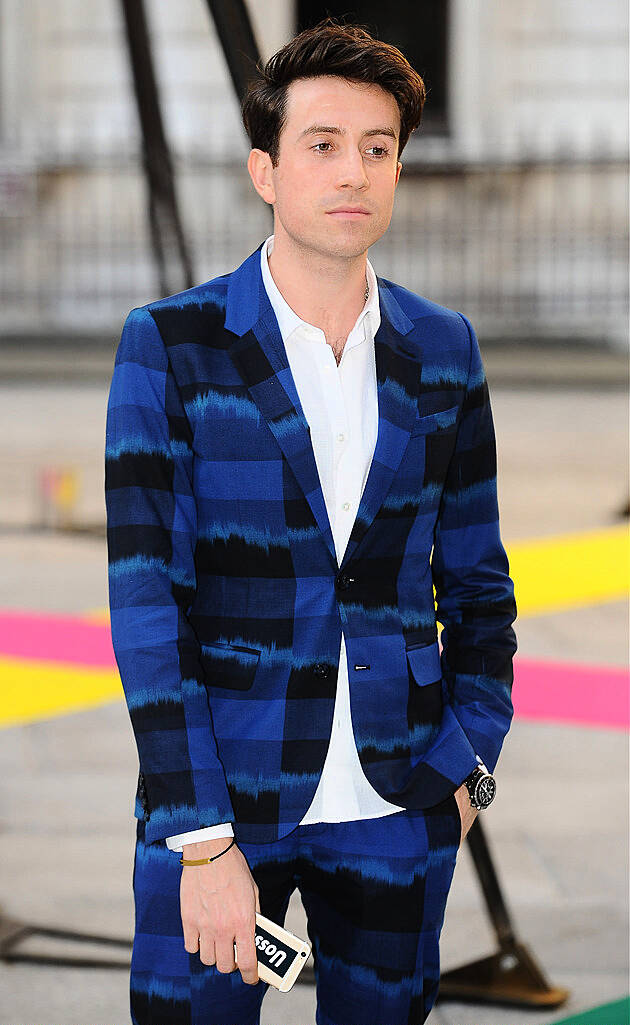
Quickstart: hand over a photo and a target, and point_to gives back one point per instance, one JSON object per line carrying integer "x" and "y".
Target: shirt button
{"x": 346, "y": 505}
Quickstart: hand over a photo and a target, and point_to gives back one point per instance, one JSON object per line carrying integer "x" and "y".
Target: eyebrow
{"x": 335, "y": 130}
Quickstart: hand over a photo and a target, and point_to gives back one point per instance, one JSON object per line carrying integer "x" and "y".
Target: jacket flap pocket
{"x": 439, "y": 420}
{"x": 229, "y": 665}
{"x": 425, "y": 663}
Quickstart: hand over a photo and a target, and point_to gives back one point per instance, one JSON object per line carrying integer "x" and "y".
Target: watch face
{"x": 485, "y": 790}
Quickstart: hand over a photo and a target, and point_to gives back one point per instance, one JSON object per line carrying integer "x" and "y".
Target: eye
{"x": 379, "y": 156}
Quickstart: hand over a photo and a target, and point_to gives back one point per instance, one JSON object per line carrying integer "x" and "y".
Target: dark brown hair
{"x": 329, "y": 48}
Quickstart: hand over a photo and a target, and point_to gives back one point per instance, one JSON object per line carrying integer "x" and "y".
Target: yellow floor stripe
{"x": 550, "y": 574}
{"x": 37, "y": 690}
{"x": 100, "y": 615}
{"x": 563, "y": 571}
{"x": 569, "y": 571}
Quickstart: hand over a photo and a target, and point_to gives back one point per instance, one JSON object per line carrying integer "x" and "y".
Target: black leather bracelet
{"x": 206, "y": 861}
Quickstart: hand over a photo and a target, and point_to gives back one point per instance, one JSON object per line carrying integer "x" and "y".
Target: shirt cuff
{"x": 176, "y": 843}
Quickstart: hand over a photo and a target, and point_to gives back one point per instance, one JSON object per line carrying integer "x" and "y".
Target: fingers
{"x": 191, "y": 938}
{"x": 224, "y": 948}
{"x": 247, "y": 960}
{"x": 207, "y": 950}
{"x": 221, "y": 953}
{"x": 212, "y": 929}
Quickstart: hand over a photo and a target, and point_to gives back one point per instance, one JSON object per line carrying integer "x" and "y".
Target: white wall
{"x": 526, "y": 77}
{"x": 66, "y": 82}
{"x": 533, "y": 77}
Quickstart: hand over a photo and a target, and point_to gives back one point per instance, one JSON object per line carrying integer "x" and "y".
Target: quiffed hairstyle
{"x": 329, "y": 48}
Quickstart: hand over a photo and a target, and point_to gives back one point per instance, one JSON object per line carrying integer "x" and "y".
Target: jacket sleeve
{"x": 474, "y": 592}
{"x": 151, "y": 534}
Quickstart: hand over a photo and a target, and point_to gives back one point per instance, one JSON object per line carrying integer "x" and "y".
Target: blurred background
{"x": 123, "y": 179}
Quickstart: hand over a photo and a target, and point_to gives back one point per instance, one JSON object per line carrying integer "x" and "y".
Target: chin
{"x": 352, "y": 244}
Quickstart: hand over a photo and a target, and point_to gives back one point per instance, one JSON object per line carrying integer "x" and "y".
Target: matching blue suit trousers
{"x": 374, "y": 892}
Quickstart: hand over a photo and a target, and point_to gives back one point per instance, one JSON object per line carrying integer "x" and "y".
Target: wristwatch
{"x": 481, "y": 786}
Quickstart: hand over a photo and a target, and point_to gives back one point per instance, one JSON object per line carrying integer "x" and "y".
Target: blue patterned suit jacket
{"x": 226, "y": 597}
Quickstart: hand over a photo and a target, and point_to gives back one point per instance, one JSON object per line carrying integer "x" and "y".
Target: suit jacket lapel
{"x": 398, "y": 371}
{"x": 261, "y": 359}
{"x": 260, "y": 356}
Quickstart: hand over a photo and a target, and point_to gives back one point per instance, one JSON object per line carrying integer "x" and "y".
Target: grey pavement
{"x": 543, "y": 363}
{"x": 558, "y": 829}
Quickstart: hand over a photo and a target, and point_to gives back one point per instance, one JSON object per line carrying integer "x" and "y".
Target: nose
{"x": 351, "y": 171}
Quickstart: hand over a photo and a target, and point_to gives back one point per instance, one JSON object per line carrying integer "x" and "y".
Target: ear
{"x": 260, "y": 172}
{"x": 398, "y": 170}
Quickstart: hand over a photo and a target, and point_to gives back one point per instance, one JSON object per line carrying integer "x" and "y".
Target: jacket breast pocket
{"x": 441, "y": 420}
{"x": 232, "y": 666}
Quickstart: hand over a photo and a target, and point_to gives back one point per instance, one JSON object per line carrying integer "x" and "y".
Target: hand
{"x": 467, "y": 813}
{"x": 218, "y": 904}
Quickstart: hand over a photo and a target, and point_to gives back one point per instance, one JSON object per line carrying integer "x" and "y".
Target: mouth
{"x": 352, "y": 213}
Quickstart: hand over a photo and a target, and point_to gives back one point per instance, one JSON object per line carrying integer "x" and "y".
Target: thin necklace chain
{"x": 338, "y": 354}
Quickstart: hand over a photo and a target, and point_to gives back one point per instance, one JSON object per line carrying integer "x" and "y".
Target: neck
{"x": 325, "y": 290}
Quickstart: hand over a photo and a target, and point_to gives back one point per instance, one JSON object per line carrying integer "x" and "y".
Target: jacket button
{"x": 344, "y": 581}
{"x": 321, "y": 669}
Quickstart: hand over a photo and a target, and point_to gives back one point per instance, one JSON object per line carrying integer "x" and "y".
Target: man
{"x": 296, "y": 453}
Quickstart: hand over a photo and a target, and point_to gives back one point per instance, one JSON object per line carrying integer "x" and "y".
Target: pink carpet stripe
{"x": 544, "y": 690}
{"x": 56, "y": 638}
{"x": 568, "y": 692}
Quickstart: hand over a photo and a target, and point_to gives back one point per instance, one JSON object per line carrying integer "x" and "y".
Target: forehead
{"x": 330, "y": 99}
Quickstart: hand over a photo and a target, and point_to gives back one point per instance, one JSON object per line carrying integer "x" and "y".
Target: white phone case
{"x": 281, "y": 954}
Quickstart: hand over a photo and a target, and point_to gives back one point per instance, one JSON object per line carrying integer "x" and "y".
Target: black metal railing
{"x": 527, "y": 248}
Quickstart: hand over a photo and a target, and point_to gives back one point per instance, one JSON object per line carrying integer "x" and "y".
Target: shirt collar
{"x": 288, "y": 319}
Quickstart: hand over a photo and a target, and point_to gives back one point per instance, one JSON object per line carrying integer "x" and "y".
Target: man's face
{"x": 321, "y": 171}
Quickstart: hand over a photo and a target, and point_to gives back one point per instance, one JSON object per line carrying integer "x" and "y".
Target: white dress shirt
{"x": 340, "y": 405}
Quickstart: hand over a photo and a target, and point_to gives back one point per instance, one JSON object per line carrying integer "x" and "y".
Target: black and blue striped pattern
{"x": 374, "y": 892}
{"x": 226, "y": 598}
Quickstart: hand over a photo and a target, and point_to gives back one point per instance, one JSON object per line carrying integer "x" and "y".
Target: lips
{"x": 349, "y": 210}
